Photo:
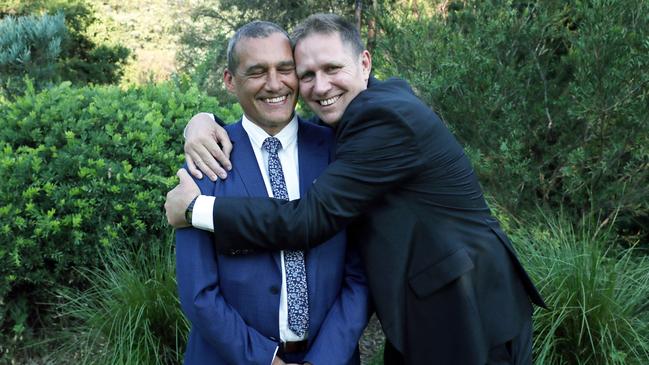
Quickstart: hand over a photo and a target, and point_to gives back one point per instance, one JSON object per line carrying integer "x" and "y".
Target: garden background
{"x": 550, "y": 99}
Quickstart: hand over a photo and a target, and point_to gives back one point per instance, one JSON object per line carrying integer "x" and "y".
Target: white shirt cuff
{"x": 202, "y": 217}
{"x": 276, "y": 349}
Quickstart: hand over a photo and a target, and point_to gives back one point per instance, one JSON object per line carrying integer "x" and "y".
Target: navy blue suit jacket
{"x": 232, "y": 301}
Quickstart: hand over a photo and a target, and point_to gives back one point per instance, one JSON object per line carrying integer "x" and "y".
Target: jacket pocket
{"x": 437, "y": 275}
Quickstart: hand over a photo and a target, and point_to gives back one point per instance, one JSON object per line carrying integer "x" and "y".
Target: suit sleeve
{"x": 376, "y": 152}
{"x": 201, "y": 301}
{"x": 347, "y": 318}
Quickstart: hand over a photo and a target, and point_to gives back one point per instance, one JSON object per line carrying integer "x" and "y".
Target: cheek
{"x": 305, "y": 90}
{"x": 253, "y": 86}
{"x": 290, "y": 82}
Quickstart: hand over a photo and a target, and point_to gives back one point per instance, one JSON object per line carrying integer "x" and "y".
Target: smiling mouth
{"x": 276, "y": 100}
{"x": 327, "y": 102}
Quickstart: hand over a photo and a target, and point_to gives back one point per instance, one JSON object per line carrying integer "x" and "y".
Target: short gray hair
{"x": 254, "y": 29}
{"x": 323, "y": 23}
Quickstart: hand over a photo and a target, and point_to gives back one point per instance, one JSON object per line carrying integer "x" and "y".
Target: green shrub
{"x": 551, "y": 98}
{"x": 77, "y": 58}
{"x": 82, "y": 170}
{"x": 130, "y": 314}
{"x": 597, "y": 294}
{"x": 29, "y": 46}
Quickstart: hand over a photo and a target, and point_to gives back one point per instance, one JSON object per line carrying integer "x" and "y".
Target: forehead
{"x": 272, "y": 49}
{"x": 320, "y": 49}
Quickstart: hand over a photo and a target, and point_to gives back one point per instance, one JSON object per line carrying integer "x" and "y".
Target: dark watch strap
{"x": 189, "y": 210}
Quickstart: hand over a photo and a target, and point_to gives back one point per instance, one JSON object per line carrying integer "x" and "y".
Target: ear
{"x": 365, "y": 61}
{"x": 228, "y": 80}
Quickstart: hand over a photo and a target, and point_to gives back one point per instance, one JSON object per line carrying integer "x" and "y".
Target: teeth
{"x": 329, "y": 101}
{"x": 275, "y": 100}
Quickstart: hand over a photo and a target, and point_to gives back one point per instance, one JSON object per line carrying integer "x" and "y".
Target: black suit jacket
{"x": 445, "y": 280}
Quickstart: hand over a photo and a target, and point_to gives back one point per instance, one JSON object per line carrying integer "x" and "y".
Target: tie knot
{"x": 272, "y": 145}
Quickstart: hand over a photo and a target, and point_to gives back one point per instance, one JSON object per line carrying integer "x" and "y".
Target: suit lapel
{"x": 312, "y": 159}
{"x": 245, "y": 165}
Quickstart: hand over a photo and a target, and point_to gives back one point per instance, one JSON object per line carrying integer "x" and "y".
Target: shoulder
{"x": 383, "y": 97}
{"x": 205, "y": 184}
{"x": 382, "y": 101}
{"x": 236, "y": 126}
{"x": 387, "y": 89}
{"x": 390, "y": 100}
{"x": 310, "y": 131}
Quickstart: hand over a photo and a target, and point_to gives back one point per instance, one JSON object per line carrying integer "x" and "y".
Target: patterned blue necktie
{"x": 296, "y": 290}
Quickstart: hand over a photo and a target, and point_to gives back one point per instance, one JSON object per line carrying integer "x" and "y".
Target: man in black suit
{"x": 446, "y": 283}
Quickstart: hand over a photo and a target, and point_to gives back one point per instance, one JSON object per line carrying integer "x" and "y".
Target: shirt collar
{"x": 287, "y": 136}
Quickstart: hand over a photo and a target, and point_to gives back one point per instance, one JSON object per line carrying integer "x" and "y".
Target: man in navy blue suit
{"x": 267, "y": 307}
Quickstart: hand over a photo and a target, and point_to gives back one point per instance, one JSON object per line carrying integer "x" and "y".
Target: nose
{"x": 273, "y": 82}
{"x": 321, "y": 84}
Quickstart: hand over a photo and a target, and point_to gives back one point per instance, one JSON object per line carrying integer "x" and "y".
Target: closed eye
{"x": 307, "y": 76}
{"x": 332, "y": 69}
{"x": 286, "y": 70}
{"x": 255, "y": 71}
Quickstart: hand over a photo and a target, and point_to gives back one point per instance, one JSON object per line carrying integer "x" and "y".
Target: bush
{"x": 597, "y": 294}
{"x": 77, "y": 58}
{"x": 29, "y": 46}
{"x": 130, "y": 314}
{"x": 550, "y": 97}
{"x": 82, "y": 170}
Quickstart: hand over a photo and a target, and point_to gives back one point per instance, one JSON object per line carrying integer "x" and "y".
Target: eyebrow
{"x": 264, "y": 66}
{"x": 327, "y": 65}
{"x": 286, "y": 63}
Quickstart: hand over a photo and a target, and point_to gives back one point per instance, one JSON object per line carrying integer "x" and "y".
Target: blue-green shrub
{"x": 30, "y": 45}
{"x": 55, "y": 47}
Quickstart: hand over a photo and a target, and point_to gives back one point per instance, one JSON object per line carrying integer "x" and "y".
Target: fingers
{"x": 199, "y": 154}
{"x": 187, "y": 183}
{"x": 208, "y": 147}
{"x": 179, "y": 198}
{"x": 215, "y": 159}
{"x": 192, "y": 167}
{"x": 226, "y": 146}
{"x": 184, "y": 177}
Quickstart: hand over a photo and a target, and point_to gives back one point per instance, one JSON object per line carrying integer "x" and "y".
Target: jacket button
{"x": 274, "y": 290}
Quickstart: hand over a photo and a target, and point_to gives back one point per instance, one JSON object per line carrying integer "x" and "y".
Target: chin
{"x": 329, "y": 121}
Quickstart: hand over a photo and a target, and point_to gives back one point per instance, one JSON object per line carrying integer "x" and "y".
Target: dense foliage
{"x": 551, "y": 98}
{"x": 33, "y": 44}
{"x": 204, "y": 38}
{"x": 82, "y": 169}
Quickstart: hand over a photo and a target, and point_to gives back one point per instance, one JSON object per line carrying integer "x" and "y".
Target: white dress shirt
{"x": 288, "y": 156}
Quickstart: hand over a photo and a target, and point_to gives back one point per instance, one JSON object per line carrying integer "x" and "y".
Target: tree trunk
{"x": 371, "y": 28}
{"x": 358, "y": 9}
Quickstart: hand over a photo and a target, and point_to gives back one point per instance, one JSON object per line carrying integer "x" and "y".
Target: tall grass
{"x": 598, "y": 293}
{"x": 131, "y": 314}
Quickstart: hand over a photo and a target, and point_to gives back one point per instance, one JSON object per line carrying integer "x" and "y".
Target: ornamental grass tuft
{"x": 598, "y": 294}
{"x": 130, "y": 314}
